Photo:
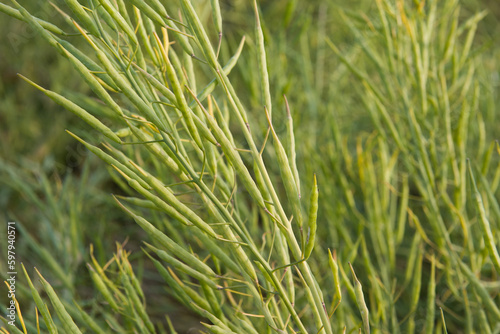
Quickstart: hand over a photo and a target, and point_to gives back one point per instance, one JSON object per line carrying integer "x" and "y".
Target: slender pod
{"x": 93, "y": 82}
{"x": 485, "y": 224}
{"x": 179, "y": 95}
{"x": 144, "y": 37}
{"x": 291, "y": 152}
{"x": 91, "y": 323}
{"x": 158, "y": 202}
{"x": 118, "y": 18}
{"x": 136, "y": 303}
{"x": 82, "y": 15}
{"x": 176, "y": 287}
{"x": 172, "y": 200}
{"x": 103, "y": 289}
{"x": 263, "y": 73}
{"x": 360, "y": 300}
{"x": 217, "y": 17}
{"x": 336, "y": 279}
{"x": 166, "y": 22}
{"x": 95, "y": 68}
{"x": 15, "y": 13}
{"x": 312, "y": 222}
{"x": 212, "y": 299}
{"x": 169, "y": 244}
{"x": 124, "y": 84}
{"x": 287, "y": 176}
{"x": 63, "y": 315}
{"x": 42, "y": 307}
{"x": 198, "y": 31}
{"x": 77, "y": 110}
{"x": 209, "y": 88}
{"x": 487, "y": 300}
{"x": 235, "y": 159}
{"x": 186, "y": 268}
{"x": 110, "y": 160}
{"x": 431, "y": 296}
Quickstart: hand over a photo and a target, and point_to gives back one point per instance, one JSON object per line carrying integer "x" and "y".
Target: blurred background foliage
{"x": 60, "y": 193}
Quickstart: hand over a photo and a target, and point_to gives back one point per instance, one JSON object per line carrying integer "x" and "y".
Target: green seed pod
{"x": 103, "y": 289}
{"x": 179, "y": 95}
{"x": 227, "y": 69}
{"x": 212, "y": 300}
{"x": 51, "y": 327}
{"x": 115, "y": 14}
{"x": 217, "y": 329}
{"x": 93, "y": 83}
{"x": 160, "y": 204}
{"x": 166, "y": 20}
{"x": 312, "y": 223}
{"x": 78, "y": 111}
{"x": 360, "y": 300}
{"x": 89, "y": 321}
{"x": 82, "y": 15}
{"x": 489, "y": 239}
{"x": 63, "y": 315}
{"x": 263, "y": 73}
{"x": 336, "y": 279}
{"x": 431, "y": 299}
{"x": 18, "y": 15}
{"x": 110, "y": 160}
{"x": 217, "y": 17}
{"x": 186, "y": 268}
{"x": 169, "y": 244}
{"x": 487, "y": 300}
{"x": 287, "y": 176}
{"x": 291, "y": 153}
{"x": 136, "y": 303}
{"x": 199, "y": 32}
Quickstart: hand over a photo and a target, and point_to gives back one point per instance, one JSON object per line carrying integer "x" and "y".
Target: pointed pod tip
{"x": 31, "y": 82}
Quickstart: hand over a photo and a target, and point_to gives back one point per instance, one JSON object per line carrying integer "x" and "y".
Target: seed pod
{"x": 217, "y": 17}
{"x": 292, "y": 192}
{"x": 312, "y": 223}
{"x": 431, "y": 298}
{"x": 487, "y": 300}
{"x": 103, "y": 289}
{"x": 169, "y": 244}
{"x": 360, "y": 300}
{"x": 489, "y": 239}
{"x": 89, "y": 321}
{"x": 158, "y": 202}
{"x": 115, "y": 14}
{"x": 110, "y": 160}
{"x": 78, "y": 111}
{"x": 217, "y": 329}
{"x": 227, "y": 69}
{"x": 82, "y": 15}
{"x": 212, "y": 299}
{"x": 136, "y": 303}
{"x": 167, "y": 20}
{"x": 199, "y": 32}
{"x": 42, "y": 307}
{"x": 264, "y": 75}
{"x": 336, "y": 279}
{"x": 93, "y": 83}
{"x": 63, "y": 315}
{"x": 179, "y": 95}
{"x": 291, "y": 146}
{"x": 186, "y": 268}
{"x": 18, "y": 15}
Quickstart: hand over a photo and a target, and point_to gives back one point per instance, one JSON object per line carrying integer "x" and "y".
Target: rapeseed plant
{"x": 217, "y": 183}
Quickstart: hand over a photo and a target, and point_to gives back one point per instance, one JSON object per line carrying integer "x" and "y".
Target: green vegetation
{"x": 275, "y": 167}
